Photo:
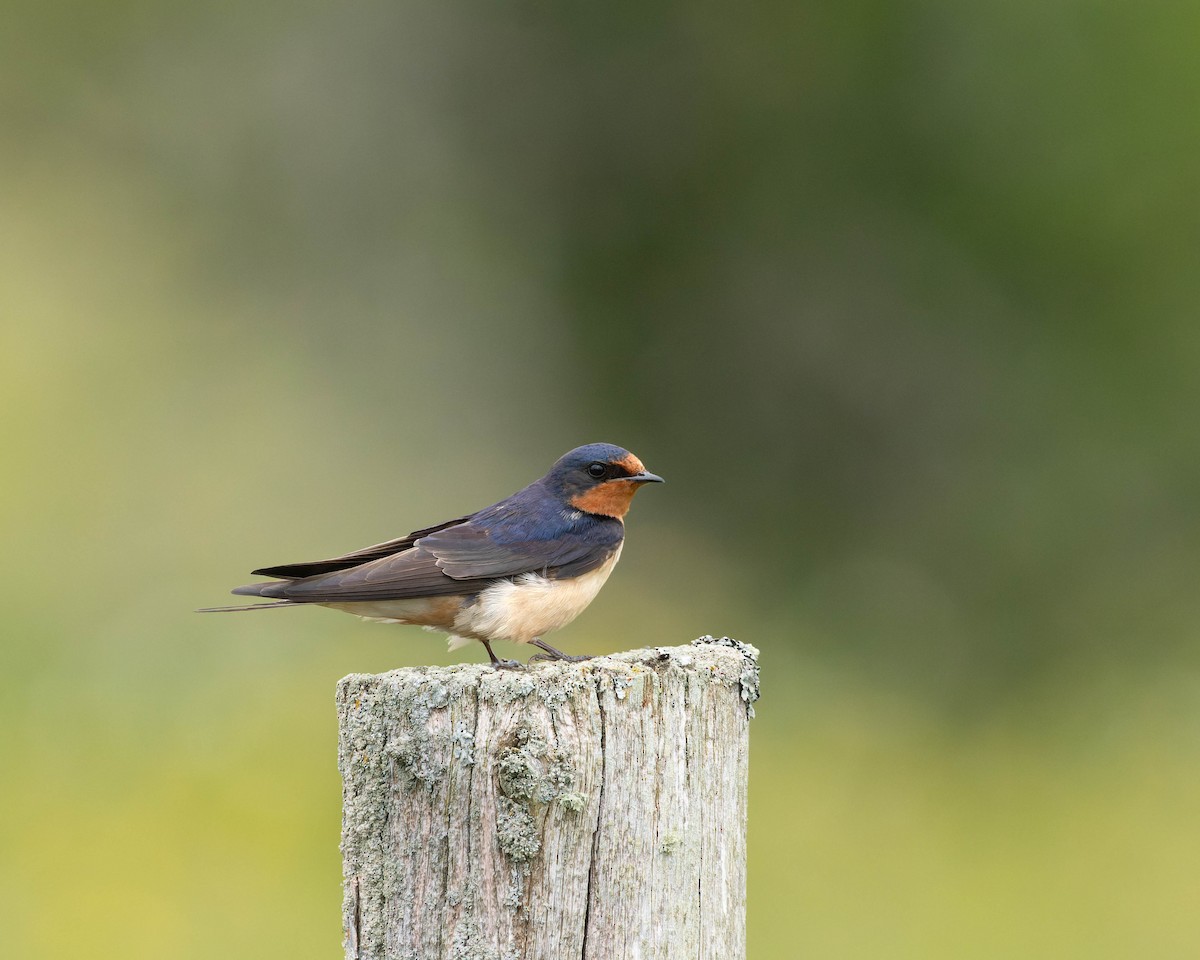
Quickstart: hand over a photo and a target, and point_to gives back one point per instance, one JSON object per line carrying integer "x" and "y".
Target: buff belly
{"x": 521, "y": 609}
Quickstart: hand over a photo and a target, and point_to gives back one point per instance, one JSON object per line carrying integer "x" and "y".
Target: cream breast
{"x": 530, "y": 606}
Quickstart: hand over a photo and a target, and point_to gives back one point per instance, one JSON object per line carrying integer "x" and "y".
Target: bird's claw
{"x": 562, "y": 658}
{"x": 507, "y": 665}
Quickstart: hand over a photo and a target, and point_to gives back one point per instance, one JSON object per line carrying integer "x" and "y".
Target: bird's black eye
{"x": 597, "y": 470}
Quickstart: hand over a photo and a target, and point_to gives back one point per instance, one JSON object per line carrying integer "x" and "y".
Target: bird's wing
{"x": 298, "y": 571}
{"x": 454, "y": 560}
{"x": 471, "y": 551}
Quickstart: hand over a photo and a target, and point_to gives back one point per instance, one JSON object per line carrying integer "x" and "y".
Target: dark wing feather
{"x": 298, "y": 571}
{"x": 468, "y": 552}
{"x": 454, "y": 560}
{"x": 413, "y": 573}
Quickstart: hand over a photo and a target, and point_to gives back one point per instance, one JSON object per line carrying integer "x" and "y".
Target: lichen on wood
{"x": 569, "y": 811}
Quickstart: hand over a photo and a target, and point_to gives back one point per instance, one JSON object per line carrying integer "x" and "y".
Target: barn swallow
{"x": 513, "y": 571}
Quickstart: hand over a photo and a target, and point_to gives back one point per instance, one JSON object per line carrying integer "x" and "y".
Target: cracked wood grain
{"x": 592, "y": 811}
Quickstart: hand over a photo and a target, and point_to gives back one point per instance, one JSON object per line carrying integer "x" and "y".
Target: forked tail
{"x": 250, "y": 606}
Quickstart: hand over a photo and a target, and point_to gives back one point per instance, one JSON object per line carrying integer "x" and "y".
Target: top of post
{"x": 718, "y": 660}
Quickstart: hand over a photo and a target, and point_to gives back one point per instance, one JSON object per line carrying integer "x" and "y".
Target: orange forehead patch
{"x": 610, "y": 499}
{"x": 632, "y": 464}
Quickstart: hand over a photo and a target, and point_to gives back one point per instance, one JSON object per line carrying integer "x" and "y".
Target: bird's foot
{"x": 562, "y": 658}
{"x": 550, "y": 653}
{"x": 497, "y": 663}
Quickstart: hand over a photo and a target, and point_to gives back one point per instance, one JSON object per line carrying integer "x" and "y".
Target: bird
{"x": 514, "y": 571}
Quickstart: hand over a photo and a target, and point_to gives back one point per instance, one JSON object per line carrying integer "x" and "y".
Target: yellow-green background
{"x": 900, "y": 297}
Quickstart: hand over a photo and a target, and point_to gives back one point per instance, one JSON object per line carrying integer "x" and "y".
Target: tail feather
{"x": 267, "y": 588}
{"x": 250, "y": 606}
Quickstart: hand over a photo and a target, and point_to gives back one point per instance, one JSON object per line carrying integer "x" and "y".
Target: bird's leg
{"x": 497, "y": 662}
{"x": 553, "y": 654}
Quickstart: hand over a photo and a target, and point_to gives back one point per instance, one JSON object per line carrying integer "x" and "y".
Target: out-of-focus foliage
{"x": 901, "y": 298}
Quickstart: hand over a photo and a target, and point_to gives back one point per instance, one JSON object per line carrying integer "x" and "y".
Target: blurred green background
{"x": 900, "y": 297}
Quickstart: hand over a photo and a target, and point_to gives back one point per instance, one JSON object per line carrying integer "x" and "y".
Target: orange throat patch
{"x": 610, "y": 499}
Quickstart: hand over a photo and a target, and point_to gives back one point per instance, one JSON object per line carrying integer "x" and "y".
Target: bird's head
{"x": 598, "y": 478}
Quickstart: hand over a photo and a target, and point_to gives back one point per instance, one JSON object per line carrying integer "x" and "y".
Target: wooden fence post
{"x": 569, "y": 811}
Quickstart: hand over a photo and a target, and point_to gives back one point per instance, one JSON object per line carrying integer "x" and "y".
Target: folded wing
{"x": 459, "y": 558}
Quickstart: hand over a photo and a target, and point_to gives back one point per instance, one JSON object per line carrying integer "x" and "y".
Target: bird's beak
{"x": 644, "y": 477}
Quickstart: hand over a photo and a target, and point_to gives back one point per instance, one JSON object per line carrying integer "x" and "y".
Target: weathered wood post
{"x": 589, "y": 811}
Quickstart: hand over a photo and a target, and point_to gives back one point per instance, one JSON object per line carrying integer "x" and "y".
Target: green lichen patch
{"x": 470, "y": 943}
{"x": 516, "y": 831}
{"x": 530, "y": 775}
{"x": 417, "y": 756}
{"x": 572, "y": 802}
{"x": 463, "y": 741}
{"x": 532, "y": 771}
